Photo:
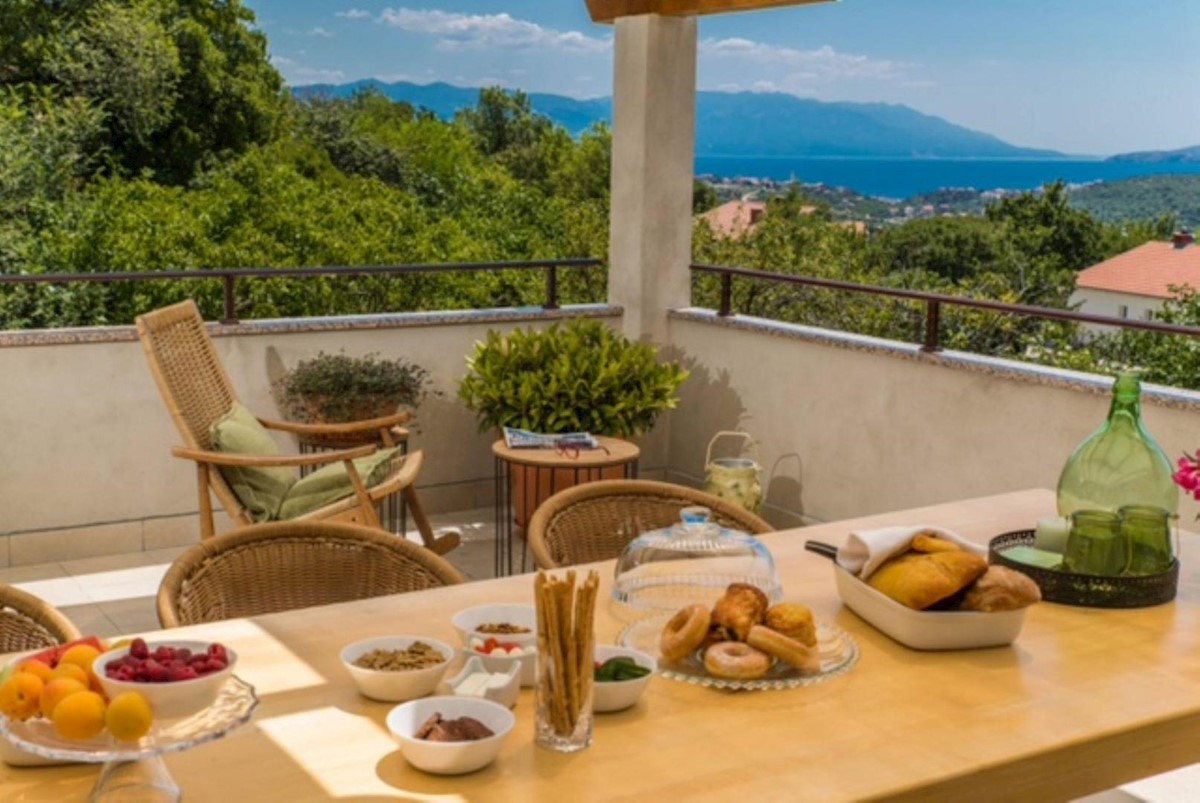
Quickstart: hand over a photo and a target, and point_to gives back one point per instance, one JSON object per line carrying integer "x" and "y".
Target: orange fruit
{"x": 129, "y": 716}
{"x": 35, "y": 667}
{"x": 56, "y": 690}
{"x": 70, "y": 671}
{"x": 20, "y": 694}
{"x": 82, "y": 655}
{"x": 79, "y": 715}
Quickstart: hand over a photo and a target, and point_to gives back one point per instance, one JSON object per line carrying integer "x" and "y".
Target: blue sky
{"x": 1080, "y": 76}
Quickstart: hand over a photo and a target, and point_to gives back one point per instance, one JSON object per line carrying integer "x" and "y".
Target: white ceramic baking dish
{"x": 927, "y": 630}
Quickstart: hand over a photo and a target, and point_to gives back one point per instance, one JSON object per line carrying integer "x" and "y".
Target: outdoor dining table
{"x": 1085, "y": 699}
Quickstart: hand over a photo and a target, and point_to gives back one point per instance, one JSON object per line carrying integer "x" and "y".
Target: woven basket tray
{"x": 1087, "y": 590}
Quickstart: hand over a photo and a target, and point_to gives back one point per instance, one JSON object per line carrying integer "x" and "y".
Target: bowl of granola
{"x": 397, "y": 668}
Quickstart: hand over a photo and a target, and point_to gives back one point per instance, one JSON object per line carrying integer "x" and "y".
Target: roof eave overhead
{"x": 610, "y": 10}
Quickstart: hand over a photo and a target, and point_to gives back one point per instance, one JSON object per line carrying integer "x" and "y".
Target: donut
{"x": 685, "y": 632}
{"x": 736, "y": 661}
{"x": 786, "y": 649}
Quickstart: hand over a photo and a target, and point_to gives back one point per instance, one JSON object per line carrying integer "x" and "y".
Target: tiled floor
{"x": 114, "y": 595}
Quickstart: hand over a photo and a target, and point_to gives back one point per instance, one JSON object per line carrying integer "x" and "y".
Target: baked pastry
{"x": 1001, "y": 589}
{"x": 932, "y": 542}
{"x": 794, "y": 621}
{"x": 920, "y": 579}
{"x": 740, "y": 608}
{"x": 804, "y": 657}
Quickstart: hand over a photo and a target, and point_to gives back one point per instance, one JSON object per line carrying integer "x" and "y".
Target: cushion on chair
{"x": 331, "y": 483}
{"x": 261, "y": 490}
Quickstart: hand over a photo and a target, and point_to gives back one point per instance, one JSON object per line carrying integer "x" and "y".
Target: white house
{"x": 1137, "y": 282}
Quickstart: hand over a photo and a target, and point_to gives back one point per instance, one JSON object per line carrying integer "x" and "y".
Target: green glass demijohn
{"x": 1119, "y": 464}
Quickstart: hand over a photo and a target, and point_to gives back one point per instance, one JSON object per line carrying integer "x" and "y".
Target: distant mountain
{"x": 1191, "y": 154}
{"x": 747, "y": 123}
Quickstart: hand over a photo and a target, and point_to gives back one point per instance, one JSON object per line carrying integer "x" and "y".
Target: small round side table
{"x": 531, "y": 476}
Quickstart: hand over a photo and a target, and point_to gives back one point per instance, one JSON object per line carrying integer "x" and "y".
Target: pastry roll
{"x": 920, "y": 579}
{"x": 1001, "y": 589}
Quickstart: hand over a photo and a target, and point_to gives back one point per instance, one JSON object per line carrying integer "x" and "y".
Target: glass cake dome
{"x": 693, "y": 561}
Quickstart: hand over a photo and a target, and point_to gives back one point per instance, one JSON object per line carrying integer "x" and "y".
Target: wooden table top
{"x": 1084, "y": 700}
{"x": 613, "y": 452}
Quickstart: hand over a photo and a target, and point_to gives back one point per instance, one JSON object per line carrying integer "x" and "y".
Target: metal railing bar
{"x": 960, "y": 301}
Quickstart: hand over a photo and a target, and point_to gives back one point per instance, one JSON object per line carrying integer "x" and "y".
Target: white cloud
{"x": 295, "y": 73}
{"x": 319, "y": 31}
{"x": 483, "y": 31}
{"x": 354, "y": 14}
{"x": 823, "y": 63}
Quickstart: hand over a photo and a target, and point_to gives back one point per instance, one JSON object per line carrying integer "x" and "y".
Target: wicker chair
{"x": 198, "y": 392}
{"x": 595, "y": 521}
{"x": 29, "y": 623}
{"x": 282, "y": 566}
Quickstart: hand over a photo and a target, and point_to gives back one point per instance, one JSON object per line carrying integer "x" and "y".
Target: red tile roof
{"x": 1148, "y": 270}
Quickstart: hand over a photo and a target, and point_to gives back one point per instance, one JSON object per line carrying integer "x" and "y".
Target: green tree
{"x": 180, "y": 81}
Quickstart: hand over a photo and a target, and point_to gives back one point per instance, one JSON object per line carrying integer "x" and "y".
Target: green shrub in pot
{"x": 575, "y": 377}
{"x": 338, "y": 388}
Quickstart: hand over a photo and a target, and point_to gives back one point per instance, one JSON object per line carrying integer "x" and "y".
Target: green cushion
{"x": 261, "y": 490}
{"x": 331, "y": 483}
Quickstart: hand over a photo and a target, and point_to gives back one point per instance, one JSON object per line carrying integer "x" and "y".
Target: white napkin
{"x": 865, "y": 550}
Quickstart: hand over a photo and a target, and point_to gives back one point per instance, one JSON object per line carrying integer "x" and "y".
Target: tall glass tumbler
{"x": 1148, "y": 531}
{"x": 1096, "y": 544}
{"x": 564, "y": 695}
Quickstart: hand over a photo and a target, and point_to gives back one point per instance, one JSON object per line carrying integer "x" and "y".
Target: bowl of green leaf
{"x": 622, "y": 674}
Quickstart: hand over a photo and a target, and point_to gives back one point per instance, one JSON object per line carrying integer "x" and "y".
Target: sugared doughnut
{"x": 736, "y": 661}
{"x": 685, "y": 632}
{"x": 777, "y": 645}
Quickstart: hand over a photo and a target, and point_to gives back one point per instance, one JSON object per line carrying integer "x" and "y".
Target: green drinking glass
{"x": 1096, "y": 545}
{"x": 1148, "y": 532}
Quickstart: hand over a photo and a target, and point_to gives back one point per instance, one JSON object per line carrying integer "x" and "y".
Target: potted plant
{"x": 575, "y": 377}
{"x": 338, "y": 388}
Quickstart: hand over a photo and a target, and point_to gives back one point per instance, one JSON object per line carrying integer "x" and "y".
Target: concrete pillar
{"x": 654, "y": 132}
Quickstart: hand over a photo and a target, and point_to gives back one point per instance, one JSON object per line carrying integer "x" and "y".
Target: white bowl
{"x": 449, "y": 758}
{"x": 395, "y": 686}
{"x": 465, "y": 622}
{"x": 927, "y": 630}
{"x": 617, "y": 695}
{"x": 504, "y": 687}
{"x": 504, "y": 663}
{"x": 174, "y": 699}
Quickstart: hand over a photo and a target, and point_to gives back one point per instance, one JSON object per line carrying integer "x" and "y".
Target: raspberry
{"x": 138, "y": 649}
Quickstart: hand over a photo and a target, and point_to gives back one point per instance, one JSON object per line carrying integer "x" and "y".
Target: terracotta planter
{"x": 528, "y": 494}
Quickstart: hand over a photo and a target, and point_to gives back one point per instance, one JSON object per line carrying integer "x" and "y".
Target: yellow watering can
{"x": 735, "y": 479}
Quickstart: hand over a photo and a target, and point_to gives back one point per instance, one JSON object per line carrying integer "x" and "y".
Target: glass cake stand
{"x": 135, "y": 770}
{"x": 837, "y": 649}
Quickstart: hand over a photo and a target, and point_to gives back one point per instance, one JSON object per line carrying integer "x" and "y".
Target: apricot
{"x": 70, "y": 671}
{"x": 79, "y": 715}
{"x": 20, "y": 694}
{"x": 56, "y": 691}
{"x": 35, "y": 667}
{"x": 129, "y": 717}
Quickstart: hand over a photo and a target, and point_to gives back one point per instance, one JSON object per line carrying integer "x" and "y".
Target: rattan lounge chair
{"x": 30, "y": 623}
{"x": 595, "y": 521}
{"x": 198, "y": 392}
{"x": 280, "y": 566}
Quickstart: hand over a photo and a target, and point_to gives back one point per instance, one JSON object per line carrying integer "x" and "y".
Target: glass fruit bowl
{"x": 138, "y": 764}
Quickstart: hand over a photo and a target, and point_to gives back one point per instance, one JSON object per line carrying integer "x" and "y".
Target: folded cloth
{"x": 866, "y": 550}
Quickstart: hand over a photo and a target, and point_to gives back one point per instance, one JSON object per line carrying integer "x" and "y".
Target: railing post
{"x": 551, "y": 287}
{"x": 933, "y": 312}
{"x": 726, "y": 308}
{"x": 230, "y": 308}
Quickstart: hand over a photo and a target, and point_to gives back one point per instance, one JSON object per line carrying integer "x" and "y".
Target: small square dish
{"x": 927, "y": 630}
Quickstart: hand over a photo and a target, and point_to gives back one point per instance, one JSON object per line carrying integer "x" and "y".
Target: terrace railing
{"x": 933, "y": 303}
{"x": 230, "y": 276}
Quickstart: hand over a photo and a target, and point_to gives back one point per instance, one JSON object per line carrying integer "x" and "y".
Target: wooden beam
{"x": 609, "y": 10}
